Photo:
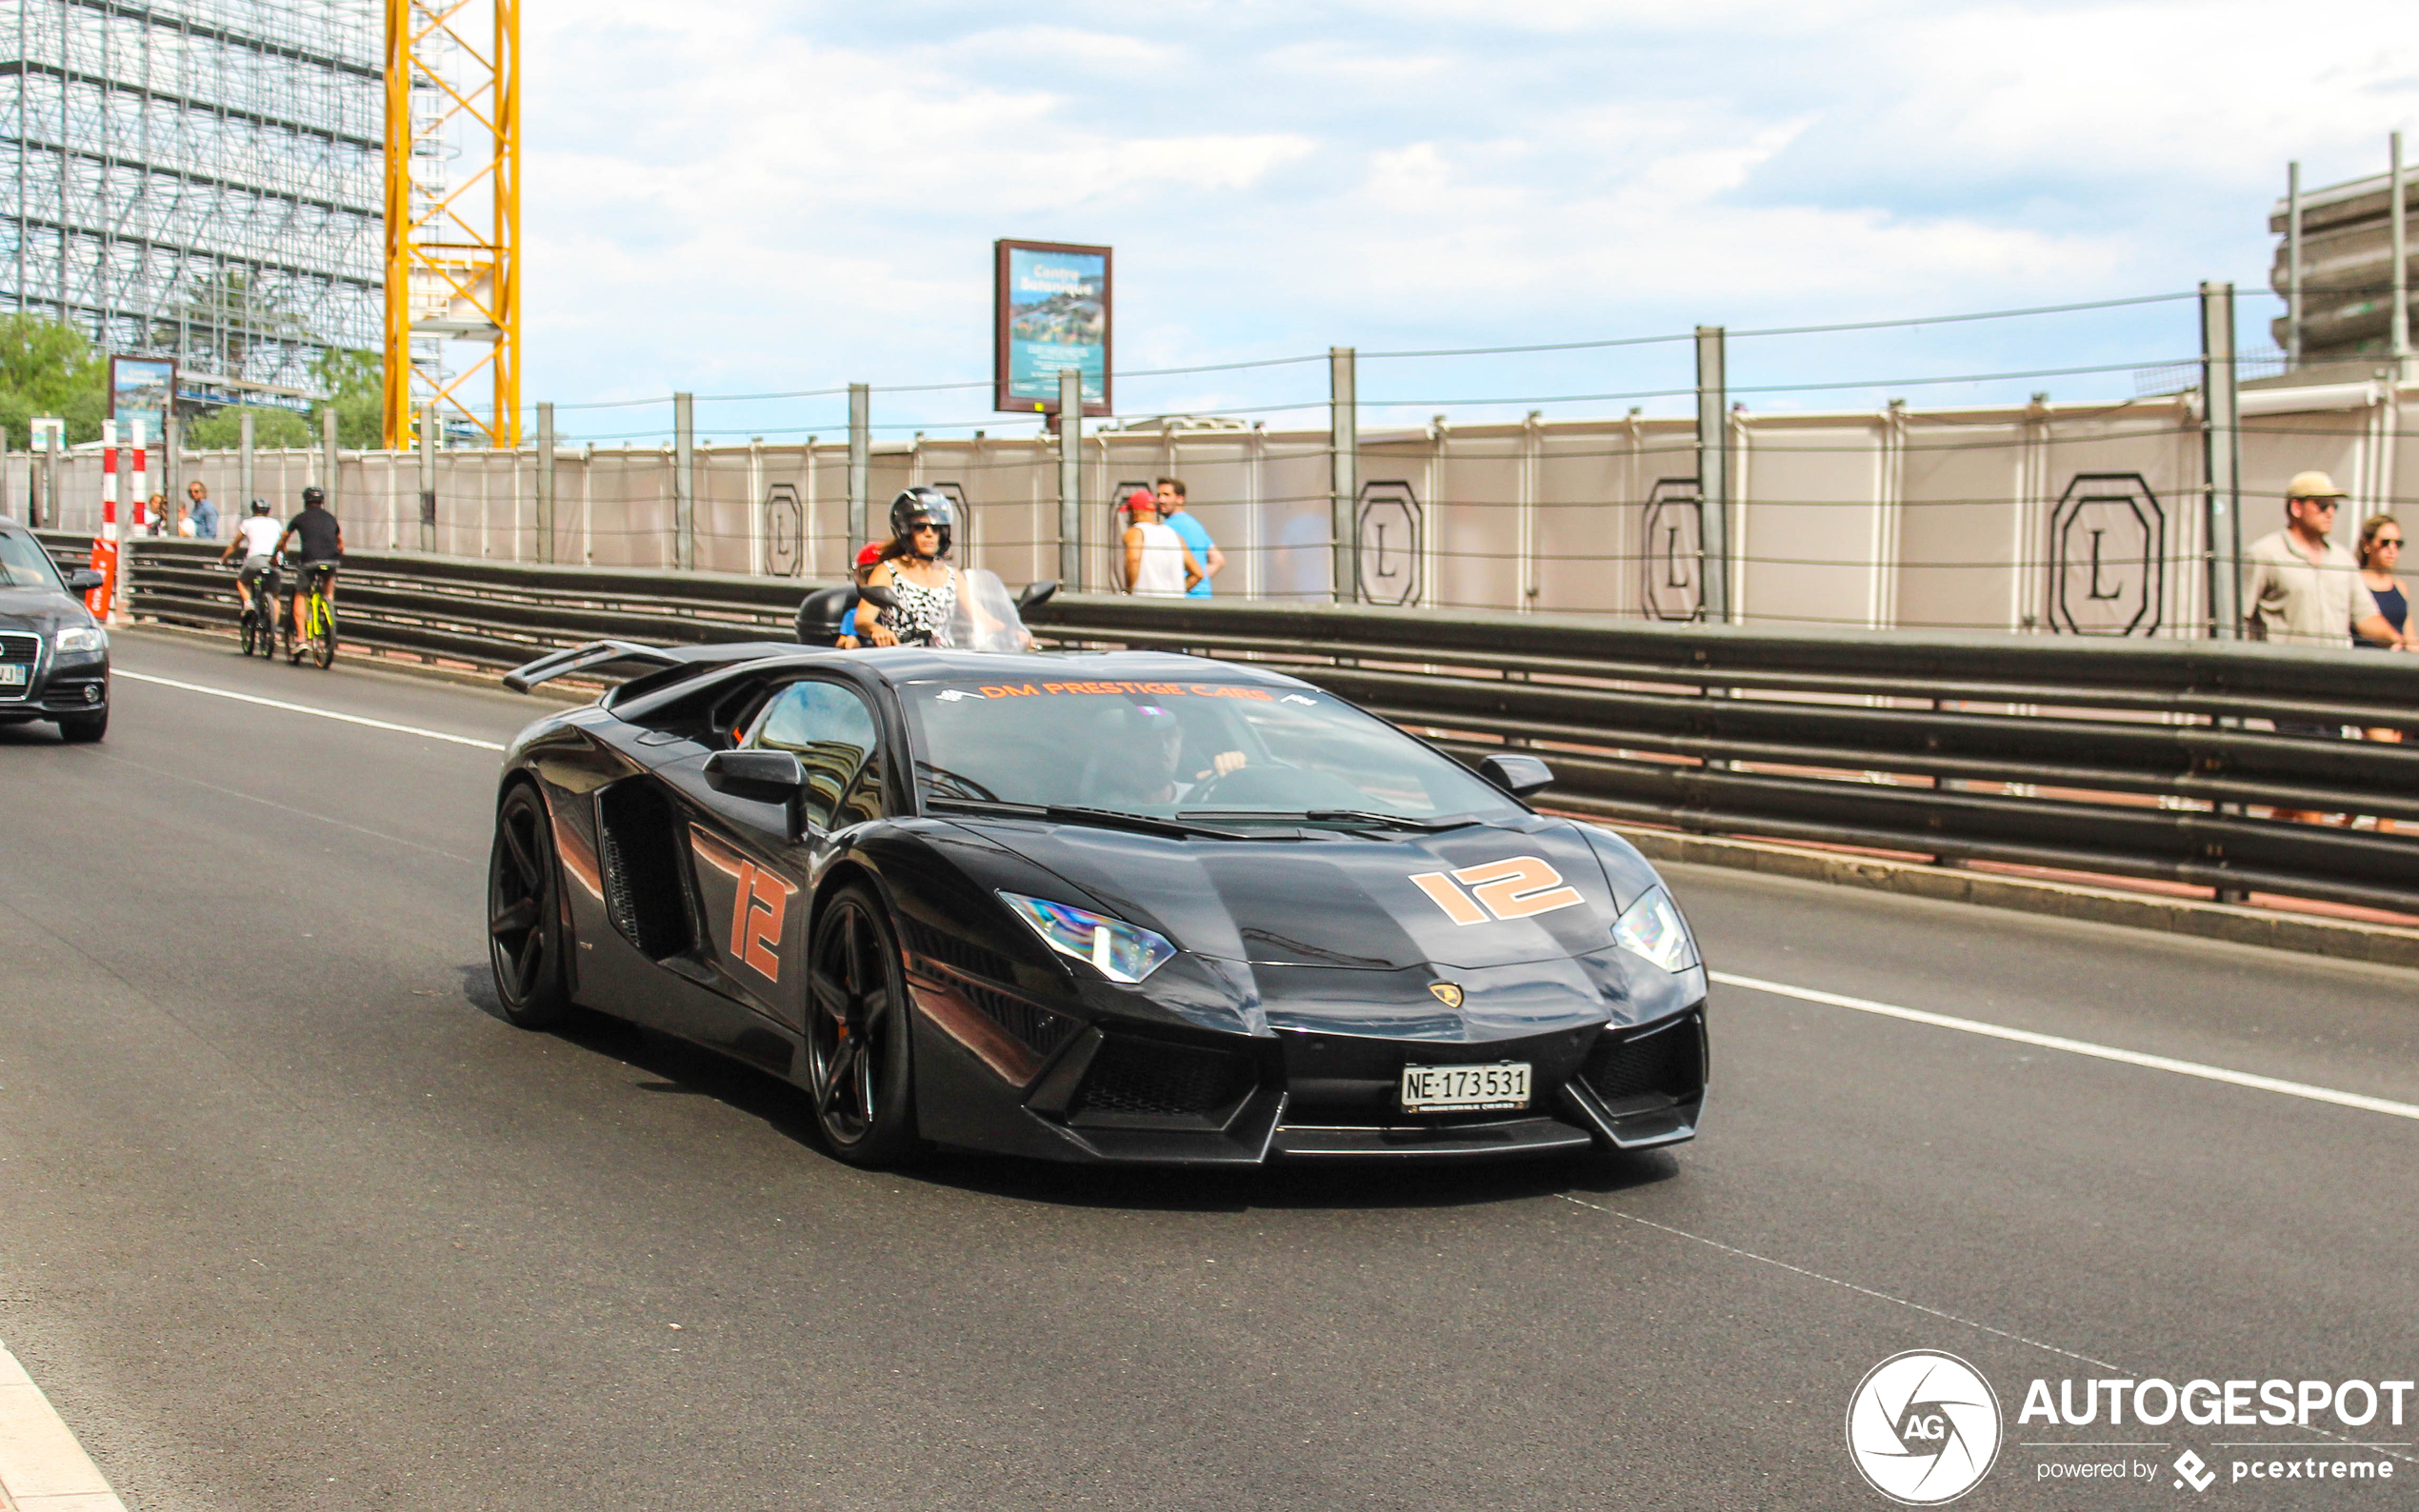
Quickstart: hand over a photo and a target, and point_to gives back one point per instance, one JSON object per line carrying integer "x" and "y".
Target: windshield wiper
{"x": 1071, "y": 814}
{"x": 1345, "y": 816}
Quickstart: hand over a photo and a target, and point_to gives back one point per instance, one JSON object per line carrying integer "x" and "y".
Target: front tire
{"x": 83, "y": 729}
{"x": 857, "y": 1035}
{"x": 525, "y": 925}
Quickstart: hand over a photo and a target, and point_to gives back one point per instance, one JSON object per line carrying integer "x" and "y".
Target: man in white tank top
{"x": 1158, "y": 563}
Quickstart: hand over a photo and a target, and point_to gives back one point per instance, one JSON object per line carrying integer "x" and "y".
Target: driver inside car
{"x": 1136, "y": 758}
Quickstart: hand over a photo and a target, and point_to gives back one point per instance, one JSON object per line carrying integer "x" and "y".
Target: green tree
{"x": 47, "y": 368}
{"x": 223, "y": 429}
{"x": 355, "y": 383}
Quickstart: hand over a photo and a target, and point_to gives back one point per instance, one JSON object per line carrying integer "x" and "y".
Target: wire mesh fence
{"x": 2077, "y": 517}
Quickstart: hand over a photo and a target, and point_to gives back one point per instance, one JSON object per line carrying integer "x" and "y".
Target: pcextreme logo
{"x": 1923, "y": 1427}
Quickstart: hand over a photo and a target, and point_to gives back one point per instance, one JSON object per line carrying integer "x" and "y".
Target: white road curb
{"x": 42, "y": 1467}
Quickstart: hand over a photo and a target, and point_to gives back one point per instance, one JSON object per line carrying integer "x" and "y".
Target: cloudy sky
{"x": 749, "y": 196}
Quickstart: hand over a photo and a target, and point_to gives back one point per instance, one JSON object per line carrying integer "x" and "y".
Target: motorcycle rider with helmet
{"x": 921, "y": 586}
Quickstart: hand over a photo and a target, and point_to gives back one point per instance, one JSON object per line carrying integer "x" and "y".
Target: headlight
{"x": 1118, "y": 950}
{"x": 83, "y": 637}
{"x": 1652, "y": 927}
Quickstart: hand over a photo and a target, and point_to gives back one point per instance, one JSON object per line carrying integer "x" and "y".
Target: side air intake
{"x": 641, "y": 861}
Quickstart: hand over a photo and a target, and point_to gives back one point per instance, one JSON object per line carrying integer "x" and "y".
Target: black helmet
{"x": 260, "y": 507}
{"x": 924, "y": 503}
{"x": 314, "y": 495}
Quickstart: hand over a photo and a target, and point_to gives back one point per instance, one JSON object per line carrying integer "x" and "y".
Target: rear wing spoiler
{"x": 643, "y": 659}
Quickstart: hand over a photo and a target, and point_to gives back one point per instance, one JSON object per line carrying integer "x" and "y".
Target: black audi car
{"x": 54, "y": 656}
{"x": 1126, "y": 906}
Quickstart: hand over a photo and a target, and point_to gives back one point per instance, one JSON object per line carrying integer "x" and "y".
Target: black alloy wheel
{"x": 525, "y": 932}
{"x": 857, "y": 1034}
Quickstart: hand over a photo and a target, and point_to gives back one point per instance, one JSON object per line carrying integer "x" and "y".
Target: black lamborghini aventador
{"x": 1126, "y": 906}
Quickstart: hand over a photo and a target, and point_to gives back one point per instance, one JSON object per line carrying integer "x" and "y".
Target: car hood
{"x": 41, "y": 610}
{"x": 1376, "y": 902}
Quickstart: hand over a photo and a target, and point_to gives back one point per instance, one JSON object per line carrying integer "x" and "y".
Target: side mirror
{"x": 881, "y": 598}
{"x": 83, "y": 580}
{"x": 1034, "y": 595}
{"x": 770, "y": 776}
{"x": 767, "y": 776}
{"x": 1517, "y": 775}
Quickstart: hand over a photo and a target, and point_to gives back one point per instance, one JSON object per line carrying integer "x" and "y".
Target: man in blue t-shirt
{"x": 1174, "y": 514}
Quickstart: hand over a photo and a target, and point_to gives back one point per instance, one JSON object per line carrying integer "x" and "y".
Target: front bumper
{"x": 60, "y": 682}
{"x": 1120, "y": 1092}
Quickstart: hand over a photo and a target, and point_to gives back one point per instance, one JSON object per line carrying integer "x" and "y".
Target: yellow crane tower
{"x": 453, "y": 211}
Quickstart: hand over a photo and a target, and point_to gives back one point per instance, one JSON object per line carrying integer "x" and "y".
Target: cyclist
{"x": 323, "y": 549}
{"x": 256, "y": 538}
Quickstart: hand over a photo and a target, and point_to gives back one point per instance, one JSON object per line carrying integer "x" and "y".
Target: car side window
{"x": 830, "y": 732}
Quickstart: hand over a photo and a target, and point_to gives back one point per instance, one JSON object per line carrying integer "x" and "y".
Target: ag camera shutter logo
{"x": 1924, "y": 1428}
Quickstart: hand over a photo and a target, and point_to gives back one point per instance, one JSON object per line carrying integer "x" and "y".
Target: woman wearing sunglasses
{"x": 2380, "y": 556}
{"x": 922, "y": 587}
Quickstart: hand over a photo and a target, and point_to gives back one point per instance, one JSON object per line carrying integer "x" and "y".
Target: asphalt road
{"x": 289, "y": 1219}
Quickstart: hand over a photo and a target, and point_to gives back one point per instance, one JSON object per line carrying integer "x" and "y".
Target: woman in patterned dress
{"x": 923, "y": 585}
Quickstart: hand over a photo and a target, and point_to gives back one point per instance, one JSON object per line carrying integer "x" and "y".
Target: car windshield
{"x": 1206, "y": 749}
{"x": 24, "y": 564}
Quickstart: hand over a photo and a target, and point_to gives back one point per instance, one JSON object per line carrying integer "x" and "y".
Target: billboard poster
{"x": 142, "y": 388}
{"x": 1050, "y": 311}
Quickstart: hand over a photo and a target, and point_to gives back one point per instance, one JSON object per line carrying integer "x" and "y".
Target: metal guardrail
{"x": 2132, "y": 758}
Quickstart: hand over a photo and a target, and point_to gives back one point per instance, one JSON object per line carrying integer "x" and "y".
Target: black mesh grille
{"x": 1666, "y": 1064}
{"x": 1041, "y": 1029}
{"x": 19, "y": 648}
{"x": 642, "y": 868}
{"x": 964, "y": 954}
{"x": 1140, "y": 1077}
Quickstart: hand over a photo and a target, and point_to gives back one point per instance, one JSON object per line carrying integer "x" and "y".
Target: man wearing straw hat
{"x": 2305, "y": 591}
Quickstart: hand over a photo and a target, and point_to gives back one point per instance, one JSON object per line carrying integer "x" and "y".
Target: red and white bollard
{"x": 144, "y": 523}
{"x": 107, "y": 546}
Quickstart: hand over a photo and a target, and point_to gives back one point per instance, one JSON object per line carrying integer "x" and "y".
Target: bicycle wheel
{"x": 323, "y": 643}
{"x": 252, "y": 632}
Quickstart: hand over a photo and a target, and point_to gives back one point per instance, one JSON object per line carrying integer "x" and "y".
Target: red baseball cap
{"x": 1141, "y": 499}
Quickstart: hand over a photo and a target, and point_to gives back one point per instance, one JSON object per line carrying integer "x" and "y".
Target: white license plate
{"x": 13, "y": 676}
{"x": 1464, "y": 1088}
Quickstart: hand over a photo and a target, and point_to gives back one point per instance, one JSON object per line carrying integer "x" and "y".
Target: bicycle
{"x": 317, "y": 633}
{"x": 260, "y": 616}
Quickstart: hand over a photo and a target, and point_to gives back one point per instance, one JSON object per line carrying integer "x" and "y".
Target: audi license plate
{"x": 1466, "y": 1088}
{"x": 13, "y": 676}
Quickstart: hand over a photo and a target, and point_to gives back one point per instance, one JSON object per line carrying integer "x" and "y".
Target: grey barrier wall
{"x": 2065, "y": 519}
{"x": 2133, "y": 757}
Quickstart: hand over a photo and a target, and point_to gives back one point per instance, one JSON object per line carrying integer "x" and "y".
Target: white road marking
{"x": 2342, "y": 1440}
{"x": 42, "y": 1467}
{"x": 2103, "y": 1052}
{"x": 1832, "y": 1281}
{"x": 305, "y": 708}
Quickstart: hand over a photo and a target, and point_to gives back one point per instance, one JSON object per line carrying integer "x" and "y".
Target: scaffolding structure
{"x": 197, "y": 178}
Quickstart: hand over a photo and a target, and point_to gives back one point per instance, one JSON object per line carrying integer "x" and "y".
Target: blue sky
{"x": 749, "y": 196}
